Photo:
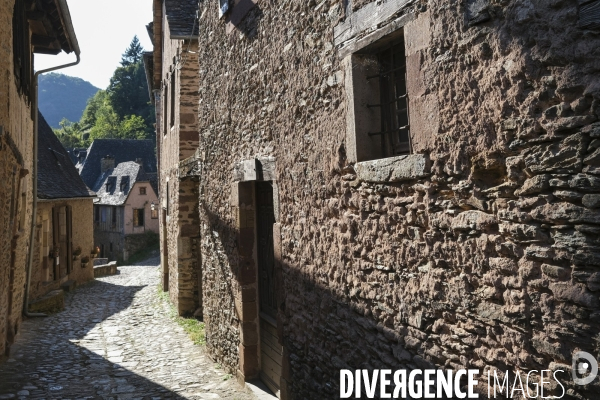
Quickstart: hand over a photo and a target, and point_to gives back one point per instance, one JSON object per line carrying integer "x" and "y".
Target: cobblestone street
{"x": 116, "y": 339}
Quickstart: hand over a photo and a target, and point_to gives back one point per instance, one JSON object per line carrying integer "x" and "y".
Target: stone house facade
{"x": 399, "y": 184}
{"x": 26, "y": 28}
{"x": 126, "y": 208}
{"x": 64, "y": 234}
{"x": 172, "y": 71}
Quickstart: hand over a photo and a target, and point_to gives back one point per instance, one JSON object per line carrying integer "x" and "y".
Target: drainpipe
{"x": 71, "y": 33}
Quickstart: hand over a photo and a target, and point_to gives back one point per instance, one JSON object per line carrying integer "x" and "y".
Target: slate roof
{"x": 114, "y": 185}
{"x": 181, "y": 15}
{"x": 121, "y": 150}
{"x": 57, "y": 176}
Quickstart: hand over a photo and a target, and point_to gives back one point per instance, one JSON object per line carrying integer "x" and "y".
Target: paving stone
{"x": 115, "y": 340}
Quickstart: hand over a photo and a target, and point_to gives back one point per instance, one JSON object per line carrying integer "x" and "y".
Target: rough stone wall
{"x": 176, "y": 144}
{"x": 489, "y": 262}
{"x": 16, "y": 127}
{"x": 42, "y": 279}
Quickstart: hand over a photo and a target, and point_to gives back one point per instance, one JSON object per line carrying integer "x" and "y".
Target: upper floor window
{"x": 380, "y": 99}
{"x": 393, "y": 106}
{"x": 173, "y": 98}
{"x": 142, "y": 190}
{"x": 22, "y": 49}
{"x": 124, "y": 184}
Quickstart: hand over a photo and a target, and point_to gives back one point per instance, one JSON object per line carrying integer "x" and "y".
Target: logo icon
{"x": 584, "y": 363}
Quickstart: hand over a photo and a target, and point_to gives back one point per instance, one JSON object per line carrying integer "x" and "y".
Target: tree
{"x": 133, "y": 54}
{"x": 122, "y": 111}
{"x": 70, "y": 134}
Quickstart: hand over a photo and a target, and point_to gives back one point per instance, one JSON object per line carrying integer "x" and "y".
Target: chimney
{"x": 139, "y": 161}
{"x": 81, "y": 155}
{"x": 107, "y": 163}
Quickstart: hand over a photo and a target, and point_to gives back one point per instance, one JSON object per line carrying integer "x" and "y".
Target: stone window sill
{"x": 393, "y": 169}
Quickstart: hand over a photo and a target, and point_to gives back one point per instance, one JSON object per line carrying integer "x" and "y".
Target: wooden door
{"x": 62, "y": 232}
{"x": 271, "y": 352}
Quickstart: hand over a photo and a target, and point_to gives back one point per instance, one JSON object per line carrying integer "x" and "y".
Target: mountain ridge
{"x": 63, "y": 96}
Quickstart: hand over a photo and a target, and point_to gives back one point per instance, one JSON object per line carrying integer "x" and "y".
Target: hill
{"x": 62, "y": 96}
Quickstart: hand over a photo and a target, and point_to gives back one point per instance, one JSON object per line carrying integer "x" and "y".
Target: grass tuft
{"x": 193, "y": 327}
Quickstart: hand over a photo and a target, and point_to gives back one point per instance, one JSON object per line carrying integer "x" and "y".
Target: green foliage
{"x": 122, "y": 111}
{"x": 194, "y": 328}
{"x": 70, "y": 134}
{"x": 133, "y": 54}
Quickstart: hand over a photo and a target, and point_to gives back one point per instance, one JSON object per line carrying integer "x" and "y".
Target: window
{"x": 111, "y": 183}
{"x": 394, "y": 133}
{"x": 124, "y": 184}
{"x": 22, "y": 49}
{"x": 143, "y": 190}
{"x": 165, "y": 116}
{"x": 102, "y": 214}
{"x": 380, "y": 114}
{"x": 96, "y": 213}
{"x": 154, "y": 213}
{"x": 114, "y": 216}
{"x": 138, "y": 217}
{"x": 173, "y": 98}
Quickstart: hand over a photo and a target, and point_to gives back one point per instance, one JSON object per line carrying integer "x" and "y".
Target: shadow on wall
{"x": 324, "y": 331}
{"x": 64, "y": 367}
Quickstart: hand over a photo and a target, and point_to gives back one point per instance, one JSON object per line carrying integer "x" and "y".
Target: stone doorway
{"x": 63, "y": 241}
{"x": 271, "y": 352}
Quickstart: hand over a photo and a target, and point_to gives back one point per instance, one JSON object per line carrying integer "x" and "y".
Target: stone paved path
{"x": 115, "y": 340}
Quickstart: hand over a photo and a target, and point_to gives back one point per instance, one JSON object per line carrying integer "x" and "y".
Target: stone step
{"x": 52, "y": 302}
{"x": 69, "y": 286}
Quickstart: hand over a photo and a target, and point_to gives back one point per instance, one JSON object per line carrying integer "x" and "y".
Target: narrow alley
{"x": 115, "y": 339}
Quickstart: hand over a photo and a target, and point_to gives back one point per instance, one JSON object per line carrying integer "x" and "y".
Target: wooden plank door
{"x": 271, "y": 352}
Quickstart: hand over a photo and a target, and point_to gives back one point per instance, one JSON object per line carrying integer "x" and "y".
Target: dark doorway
{"x": 271, "y": 352}
{"x": 165, "y": 253}
{"x": 63, "y": 240}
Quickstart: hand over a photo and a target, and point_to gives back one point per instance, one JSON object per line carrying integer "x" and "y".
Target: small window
{"x": 154, "y": 213}
{"x": 165, "y": 109}
{"x": 173, "y": 98}
{"x": 111, "y": 183}
{"x": 111, "y": 247}
{"x": 138, "y": 217}
{"x": 380, "y": 111}
{"x": 124, "y": 184}
{"x": 143, "y": 190}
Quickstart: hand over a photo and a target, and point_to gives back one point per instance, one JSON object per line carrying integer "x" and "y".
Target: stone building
{"x": 26, "y": 28}
{"x": 125, "y": 210}
{"x": 172, "y": 71}
{"x": 64, "y": 237}
{"x": 122, "y": 213}
{"x": 399, "y": 184}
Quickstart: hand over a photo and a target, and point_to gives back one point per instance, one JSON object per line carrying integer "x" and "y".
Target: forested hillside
{"x": 62, "y": 96}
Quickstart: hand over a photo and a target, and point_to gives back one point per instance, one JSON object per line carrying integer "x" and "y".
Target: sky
{"x": 104, "y": 29}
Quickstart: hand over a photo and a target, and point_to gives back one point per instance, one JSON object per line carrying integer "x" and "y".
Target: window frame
{"x": 368, "y": 122}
